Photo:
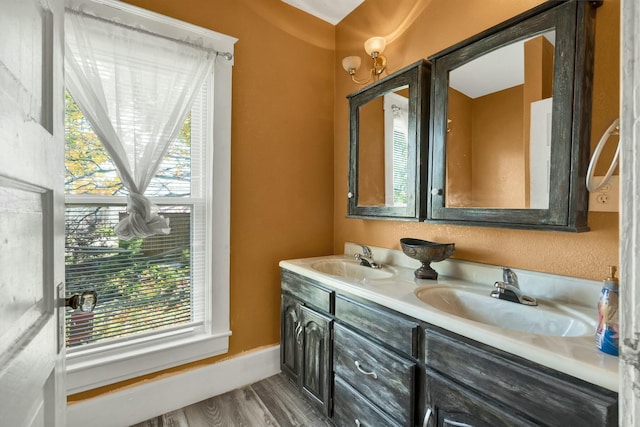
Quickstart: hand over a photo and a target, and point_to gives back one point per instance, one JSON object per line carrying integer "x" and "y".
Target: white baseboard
{"x": 137, "y": 404}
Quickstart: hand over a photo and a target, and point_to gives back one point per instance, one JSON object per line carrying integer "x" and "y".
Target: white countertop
{"x": 575, "y": 356}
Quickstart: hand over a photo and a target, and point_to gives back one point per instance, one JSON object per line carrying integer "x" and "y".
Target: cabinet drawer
{"x": 540, "y": 393}
{"x": 351, "y": 409}
{"x": 307, "y": 290}
{"x": 383, "y": 377}
{"x": 393, "y": 330}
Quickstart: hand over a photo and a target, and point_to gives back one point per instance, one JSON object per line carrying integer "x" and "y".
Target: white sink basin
{"x": 476, "y": 305}
{"x": 351, "y": 270}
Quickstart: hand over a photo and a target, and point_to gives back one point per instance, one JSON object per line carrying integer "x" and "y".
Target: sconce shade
{"x": 375, "y": 45}
{"x": 351, "y": 63}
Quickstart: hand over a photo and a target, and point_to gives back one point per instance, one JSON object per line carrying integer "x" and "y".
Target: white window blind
{"x": 400, "y": 164}
{"x": 142, "y": 285}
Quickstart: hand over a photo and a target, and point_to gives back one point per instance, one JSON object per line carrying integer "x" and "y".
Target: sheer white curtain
{"x": 136, "y": 89}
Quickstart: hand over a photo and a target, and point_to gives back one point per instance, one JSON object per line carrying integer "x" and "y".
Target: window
{"x": 162, "y": 300}
{"x": 143, "y": 285}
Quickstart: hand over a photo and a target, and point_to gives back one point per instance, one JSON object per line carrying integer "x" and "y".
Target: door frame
{"x": 630, "y": 214}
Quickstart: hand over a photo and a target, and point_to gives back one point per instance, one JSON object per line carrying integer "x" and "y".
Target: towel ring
{"x": 613, "y": 129}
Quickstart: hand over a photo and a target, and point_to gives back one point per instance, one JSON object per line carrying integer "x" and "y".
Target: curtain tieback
{"x": 142, "y": 219}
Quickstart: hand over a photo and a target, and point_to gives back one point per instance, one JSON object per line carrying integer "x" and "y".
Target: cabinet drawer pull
{"x": 362, "y": 371}
{"x": 427, "y": 418}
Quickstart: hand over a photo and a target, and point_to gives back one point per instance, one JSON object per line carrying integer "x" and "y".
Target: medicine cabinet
{"x": 511, "y": 122}
{"x": 388, "y": 146}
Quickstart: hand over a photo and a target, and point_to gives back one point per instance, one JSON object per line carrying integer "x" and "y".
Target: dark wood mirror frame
{"x": 417, "y": 77}
{"x": 574, "y": 23}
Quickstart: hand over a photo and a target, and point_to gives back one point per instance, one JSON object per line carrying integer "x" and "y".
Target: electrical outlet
{"x": 607, "y": 197}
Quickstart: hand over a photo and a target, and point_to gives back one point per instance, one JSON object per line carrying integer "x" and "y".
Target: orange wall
{"x": 416, "y": 29}
{"x": 281, "y": 154}
{"x": 459, "y": 150}
{"x": 496, "y": 126}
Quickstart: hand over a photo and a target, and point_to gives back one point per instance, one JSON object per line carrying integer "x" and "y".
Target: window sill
{"x": 90, "y": 369}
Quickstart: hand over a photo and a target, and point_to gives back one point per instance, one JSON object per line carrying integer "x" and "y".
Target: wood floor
{"x": 270, "y": 402}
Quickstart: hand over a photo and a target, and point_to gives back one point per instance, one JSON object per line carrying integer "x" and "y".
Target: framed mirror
{"x": 511, "y": 122}
{"x": 387, "y": 146}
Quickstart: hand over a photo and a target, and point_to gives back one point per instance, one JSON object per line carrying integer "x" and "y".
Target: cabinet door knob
{"x": 368, "y": 373}
{"x": 436, "y": 191}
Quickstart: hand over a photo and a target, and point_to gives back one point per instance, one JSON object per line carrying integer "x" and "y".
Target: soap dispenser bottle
{"x": 607, "y": 331}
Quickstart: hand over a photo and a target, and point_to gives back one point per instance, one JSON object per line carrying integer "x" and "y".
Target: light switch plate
{"x": 607, "y": 197}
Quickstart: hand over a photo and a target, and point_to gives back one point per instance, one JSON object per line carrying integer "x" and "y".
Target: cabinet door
{"x": 453, "y": 405}
{"x": 290, "y": 329}
{"x": 537, "y": 392}
{"x": 315, "y": 342}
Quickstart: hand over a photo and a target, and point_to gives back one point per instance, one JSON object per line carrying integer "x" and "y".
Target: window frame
{"x": 103, "y": 365}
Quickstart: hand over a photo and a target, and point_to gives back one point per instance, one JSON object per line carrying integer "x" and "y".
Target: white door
{"x": 31, "y": 213}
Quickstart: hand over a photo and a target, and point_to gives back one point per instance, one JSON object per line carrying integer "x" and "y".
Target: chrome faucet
{"x": 510, "y": 277}
{"x": 366, "y": 258}
{"x": 509, "y": 289}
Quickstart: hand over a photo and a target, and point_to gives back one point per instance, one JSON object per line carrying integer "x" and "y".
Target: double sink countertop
{"x": 574, "y": 355}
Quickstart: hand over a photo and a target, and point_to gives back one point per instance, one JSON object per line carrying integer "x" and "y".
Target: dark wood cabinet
{"x": 561, "y": 204}
{"x": 489, "y": 199}
{"x": 407, "y": 90}
{"x": 367, "y": 365}
{"x": 305, "y": 338}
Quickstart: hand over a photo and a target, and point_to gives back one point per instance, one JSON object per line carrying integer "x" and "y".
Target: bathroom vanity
{"x": 376, "y": 348}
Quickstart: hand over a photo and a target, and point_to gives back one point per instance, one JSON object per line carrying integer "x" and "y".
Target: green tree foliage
{"x": 88, "y": 168}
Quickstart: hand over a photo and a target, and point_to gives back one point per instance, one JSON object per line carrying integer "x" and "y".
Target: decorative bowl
{"x": 426, "y": 252}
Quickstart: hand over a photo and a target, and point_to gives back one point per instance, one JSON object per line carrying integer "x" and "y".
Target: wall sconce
{"x": 374, "y": 48}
